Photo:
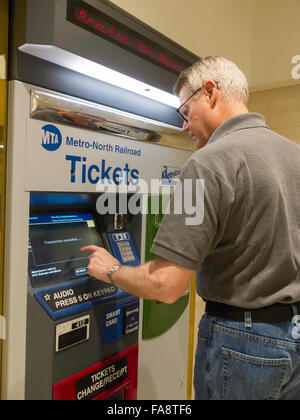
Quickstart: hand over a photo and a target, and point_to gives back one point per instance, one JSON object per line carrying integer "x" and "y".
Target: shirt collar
{"x": 240, "y": 122}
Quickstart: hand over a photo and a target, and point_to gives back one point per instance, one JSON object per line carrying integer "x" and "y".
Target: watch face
{"x": 111, "y": 271}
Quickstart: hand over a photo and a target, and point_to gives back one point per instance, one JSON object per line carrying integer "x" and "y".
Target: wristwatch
{"x": 112, "y": 270}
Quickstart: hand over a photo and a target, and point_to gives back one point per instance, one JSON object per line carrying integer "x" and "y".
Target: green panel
{"x": 158, "y": 317}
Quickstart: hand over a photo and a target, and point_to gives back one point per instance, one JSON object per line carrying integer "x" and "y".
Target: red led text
{"x": 110, "y": 31}
{"x": 128, "y": 40}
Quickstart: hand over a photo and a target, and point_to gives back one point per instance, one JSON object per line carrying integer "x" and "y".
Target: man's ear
{"x": 210, "y": 91}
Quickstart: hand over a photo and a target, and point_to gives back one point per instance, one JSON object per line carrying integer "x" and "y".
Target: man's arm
{"x": 157, "y": 280}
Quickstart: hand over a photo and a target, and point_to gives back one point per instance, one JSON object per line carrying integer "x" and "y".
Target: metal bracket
{"x": 2, "y": 328}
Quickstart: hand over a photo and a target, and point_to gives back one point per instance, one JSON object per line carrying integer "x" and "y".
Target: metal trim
{"x": 55, "y": 107}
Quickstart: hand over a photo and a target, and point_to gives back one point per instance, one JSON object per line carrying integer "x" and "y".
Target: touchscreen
{"x": 54, "y": 247}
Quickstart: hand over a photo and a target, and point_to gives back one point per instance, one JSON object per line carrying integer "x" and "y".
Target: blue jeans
{"x": 235, "y": 362}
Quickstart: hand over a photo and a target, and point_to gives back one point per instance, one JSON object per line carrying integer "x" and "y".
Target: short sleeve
{"x": 194, "y": 227}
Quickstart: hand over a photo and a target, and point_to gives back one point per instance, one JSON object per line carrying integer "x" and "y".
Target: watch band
{"x": 112, "y": 270}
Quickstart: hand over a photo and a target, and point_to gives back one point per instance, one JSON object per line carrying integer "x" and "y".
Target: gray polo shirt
{"x": 247, "y": 249}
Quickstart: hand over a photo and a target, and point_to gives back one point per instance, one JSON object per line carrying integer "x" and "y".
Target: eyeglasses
{"x": 179, "y": 109}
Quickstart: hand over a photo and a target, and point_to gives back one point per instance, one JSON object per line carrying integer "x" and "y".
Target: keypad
{"x": 125, "y": 251}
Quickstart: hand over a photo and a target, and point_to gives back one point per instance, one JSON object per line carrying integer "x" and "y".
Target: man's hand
{"x": 100, "y": 262}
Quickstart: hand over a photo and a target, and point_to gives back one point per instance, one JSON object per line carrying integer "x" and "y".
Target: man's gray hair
{"x": 230, "y": 80}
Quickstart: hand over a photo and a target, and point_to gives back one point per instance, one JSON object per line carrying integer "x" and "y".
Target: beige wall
{"x": 281, "y": 108}
{"x": 275, "y": 40}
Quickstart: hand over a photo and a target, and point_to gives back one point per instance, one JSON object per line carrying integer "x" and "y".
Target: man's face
{"x": 196, "y": 110}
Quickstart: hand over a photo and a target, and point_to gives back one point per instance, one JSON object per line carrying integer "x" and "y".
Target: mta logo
{"x": 51, "y": 138}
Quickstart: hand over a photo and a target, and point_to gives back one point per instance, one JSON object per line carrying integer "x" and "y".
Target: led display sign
{"x": 100, "y": 24}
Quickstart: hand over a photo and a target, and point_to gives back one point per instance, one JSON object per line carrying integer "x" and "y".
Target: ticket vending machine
{"x": 72, "y": 137}
{"x": 80, "y": 320}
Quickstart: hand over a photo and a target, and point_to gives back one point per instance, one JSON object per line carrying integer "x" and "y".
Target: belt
{"x": 270, "y": 314}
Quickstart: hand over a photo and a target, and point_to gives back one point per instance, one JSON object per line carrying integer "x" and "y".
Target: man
{"x": 246, "y": 251}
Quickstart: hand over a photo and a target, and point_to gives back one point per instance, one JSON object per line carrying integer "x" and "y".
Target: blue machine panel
{"x": 120, "y": 319}
{"x": 72, "y": 298}
{"x": 123, "y": 248}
